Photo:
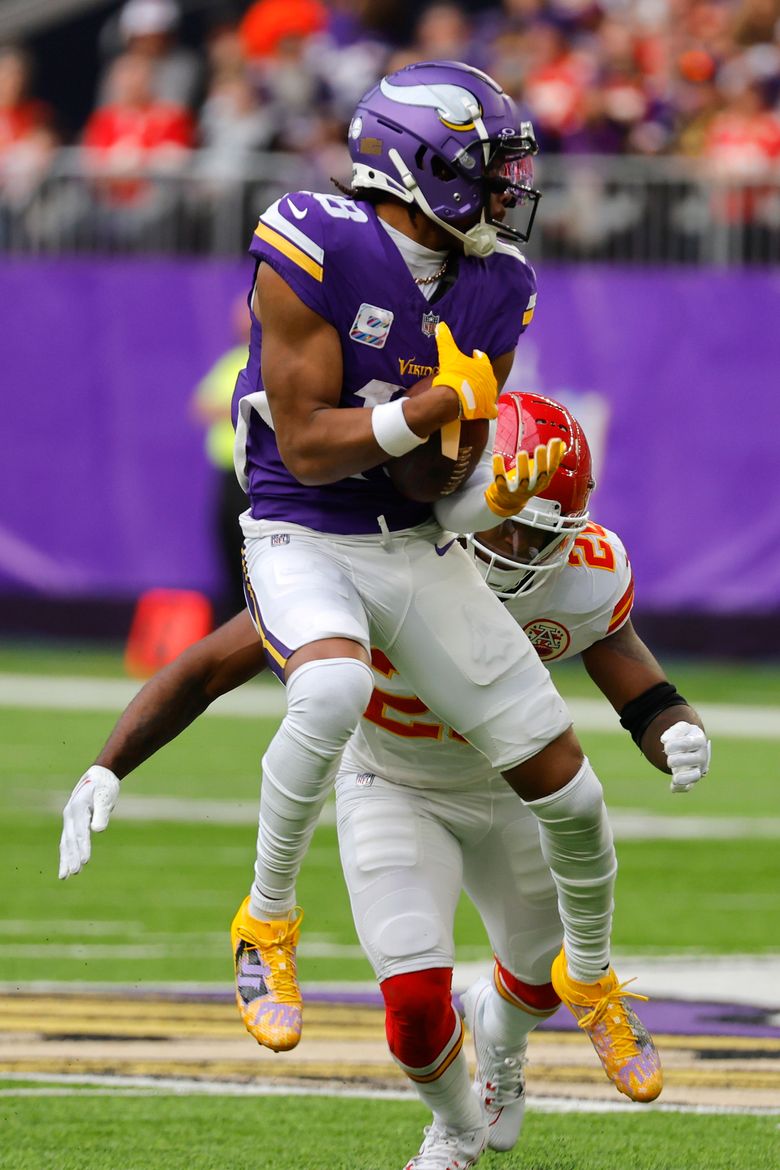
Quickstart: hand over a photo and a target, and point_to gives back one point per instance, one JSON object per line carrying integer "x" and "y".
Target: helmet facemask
{"x": 510, "y": 173}
{"x": 512, "y": 564}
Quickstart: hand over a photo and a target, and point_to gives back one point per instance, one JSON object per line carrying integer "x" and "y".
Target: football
{"x": 426, "y": 474}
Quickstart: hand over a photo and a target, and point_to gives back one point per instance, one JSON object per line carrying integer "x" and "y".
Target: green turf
{"x": 704, "y": 682}
{"x": 146, "y": 879}
{"x": 46, "y": 751}
{"x": 45, "y": 657}
{"x": 153, "y": 888}
{"x": 174, "y": 1133}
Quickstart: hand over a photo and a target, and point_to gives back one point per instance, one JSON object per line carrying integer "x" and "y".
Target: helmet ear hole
{"x": 441, "y": 170}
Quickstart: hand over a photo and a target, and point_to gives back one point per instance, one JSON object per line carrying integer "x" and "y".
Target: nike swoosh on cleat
{"x": 445, "y": 548}
{"x": 298, "y": 214}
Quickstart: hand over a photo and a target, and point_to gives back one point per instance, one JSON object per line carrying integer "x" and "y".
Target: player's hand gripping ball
{"x": 472, "y": 378}
{"x": 426, "y": 474}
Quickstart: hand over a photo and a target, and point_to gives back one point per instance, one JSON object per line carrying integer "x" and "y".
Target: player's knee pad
{"x": 325, "y": 700}
{"x": 418, "y": 1015}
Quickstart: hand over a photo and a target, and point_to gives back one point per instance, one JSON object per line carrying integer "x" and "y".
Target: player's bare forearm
{"x": 160, "y": 711}
{"x": 302, "y": 376}
{"x": 335, "y": 443}
{"x": 180, "y": 692}
{"x": 623, "y": 668}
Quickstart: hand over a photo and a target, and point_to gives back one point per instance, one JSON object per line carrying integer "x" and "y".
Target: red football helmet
{"x": 521, "y": 553}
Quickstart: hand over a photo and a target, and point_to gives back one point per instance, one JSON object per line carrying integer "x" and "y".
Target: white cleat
{"x": 445, "y": 1149}
{"x": 499, "y": 1082}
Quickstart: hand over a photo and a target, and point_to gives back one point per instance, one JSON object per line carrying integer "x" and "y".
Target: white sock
{"x": 450, "y": 1096}
{"x": 325, "y": 700}
{"x": 505, "y": 1024}
{"x": 577, "y": 844}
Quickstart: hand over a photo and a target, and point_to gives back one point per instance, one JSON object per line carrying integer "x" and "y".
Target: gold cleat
{"x": 624, "y": 1046}
{"x": 267, "y": 992}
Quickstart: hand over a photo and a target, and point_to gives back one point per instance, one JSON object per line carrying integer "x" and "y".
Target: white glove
{"x": 688, "y": 754}
{"x": 90, "y": 805}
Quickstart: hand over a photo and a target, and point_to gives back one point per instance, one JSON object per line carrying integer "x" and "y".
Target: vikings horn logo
{"x": 455, "y": 105}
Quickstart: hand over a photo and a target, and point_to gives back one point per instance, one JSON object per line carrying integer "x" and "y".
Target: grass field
{"x": 295, "y": 1133}
{"x": 155, "y": 902}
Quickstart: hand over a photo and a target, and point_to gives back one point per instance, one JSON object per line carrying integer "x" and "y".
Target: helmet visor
{"x": 510, "y": 174}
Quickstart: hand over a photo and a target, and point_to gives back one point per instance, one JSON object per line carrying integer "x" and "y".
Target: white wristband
{"x": 391, "y": 430}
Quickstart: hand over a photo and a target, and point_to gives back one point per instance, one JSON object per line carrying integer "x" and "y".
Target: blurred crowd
{"x": 698, "y": 78}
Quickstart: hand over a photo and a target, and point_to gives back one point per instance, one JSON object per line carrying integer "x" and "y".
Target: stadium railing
{"x": 607, "y": 209}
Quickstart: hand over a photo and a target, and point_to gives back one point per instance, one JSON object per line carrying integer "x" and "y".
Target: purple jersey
{"x": 336, "y": 256}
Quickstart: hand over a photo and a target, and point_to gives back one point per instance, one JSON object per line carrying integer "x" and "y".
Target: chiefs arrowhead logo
{"x": 550, "y": 639}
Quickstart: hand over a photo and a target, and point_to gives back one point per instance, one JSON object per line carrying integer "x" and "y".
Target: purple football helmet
{"x": 445, "y": 136}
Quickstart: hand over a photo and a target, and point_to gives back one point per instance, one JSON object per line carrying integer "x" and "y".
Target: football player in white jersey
{"x": 420, "y": 812}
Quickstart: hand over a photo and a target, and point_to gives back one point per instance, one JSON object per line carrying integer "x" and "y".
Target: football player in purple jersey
{"x": 556, "y": 571}
{"x": 336, "y": 559}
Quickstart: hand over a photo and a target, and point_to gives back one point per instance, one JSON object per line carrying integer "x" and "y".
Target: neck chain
{"x": 437, "y": 275}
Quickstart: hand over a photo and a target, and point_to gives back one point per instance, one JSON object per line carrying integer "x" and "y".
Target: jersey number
{"x": 592, "y": 549}
{"x": 341, "y": 208}
{"x": 381, "y": 702}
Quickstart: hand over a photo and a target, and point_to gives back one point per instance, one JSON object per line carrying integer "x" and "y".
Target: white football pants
{"x": 425, "y": 605}
{"x": 406, "y": 854}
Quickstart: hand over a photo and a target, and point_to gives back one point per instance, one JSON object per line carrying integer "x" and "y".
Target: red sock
{"x": 537, "y": 998}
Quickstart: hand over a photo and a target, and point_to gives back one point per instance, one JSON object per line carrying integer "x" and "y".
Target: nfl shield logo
{"x": 429, "y": 323}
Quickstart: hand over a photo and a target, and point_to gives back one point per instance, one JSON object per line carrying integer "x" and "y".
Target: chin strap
{"x": 480, "y": 240}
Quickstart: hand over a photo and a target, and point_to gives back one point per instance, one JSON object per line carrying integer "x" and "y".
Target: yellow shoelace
{"x": 285, "y": 988}
{"x": 624, "y": 1042}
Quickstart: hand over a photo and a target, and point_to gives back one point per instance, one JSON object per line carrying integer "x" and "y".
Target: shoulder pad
{"x": 504, "y": 248}
{"x": 292, "y": 228}
{"x": 601, "y": 577}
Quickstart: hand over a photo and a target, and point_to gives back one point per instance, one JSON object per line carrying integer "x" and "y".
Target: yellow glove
{"x": 471, "y": 378}
{"x": 513, "y": 487}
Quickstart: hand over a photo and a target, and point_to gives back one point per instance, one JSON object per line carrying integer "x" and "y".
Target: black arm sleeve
{"x": 639, "y": 713}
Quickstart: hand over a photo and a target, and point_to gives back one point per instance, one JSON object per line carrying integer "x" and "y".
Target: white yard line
{"x": 160, "y": 950}
{"x": 132, "y": 1086}
{"x": 729, "y": 979}
{"x": 74, "y": 693}
{"x": 752, "y": 980}
{"x": 627, "y": 824}
{"x": 636, "y": 825}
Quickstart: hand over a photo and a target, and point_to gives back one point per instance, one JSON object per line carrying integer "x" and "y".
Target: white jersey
{"x": 590, "y": 598}
{"x": 400, "y": 739}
